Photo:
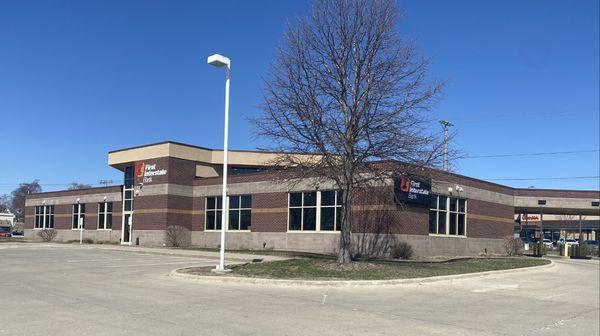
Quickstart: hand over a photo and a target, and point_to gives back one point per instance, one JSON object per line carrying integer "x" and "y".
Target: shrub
{"x": 561, "y": 249}
{"x": 512, "y": 245}
{"x": 177, "y": 236}
{"x": 578, "y": 251}
{"x": 402, "y": 250}
{"x": 106, "y": 242}
{"x": 47, "y": 234}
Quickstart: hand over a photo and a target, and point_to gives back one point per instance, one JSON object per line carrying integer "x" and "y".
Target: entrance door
{"x": 127, "y": 226}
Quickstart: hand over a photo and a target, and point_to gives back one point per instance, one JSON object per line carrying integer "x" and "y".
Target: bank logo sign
{"x": 412, "y": 190}
{"x": 147, "y": 171}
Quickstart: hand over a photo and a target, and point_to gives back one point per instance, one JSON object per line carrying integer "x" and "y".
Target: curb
{"x": 176, "y": 274}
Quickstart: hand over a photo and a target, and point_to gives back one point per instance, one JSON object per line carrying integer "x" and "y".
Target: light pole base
{"x": 218, "y": 271}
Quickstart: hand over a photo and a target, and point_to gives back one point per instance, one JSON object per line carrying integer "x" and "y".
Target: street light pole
{"x": 446, "y": 124}
{"x": 220, "y": 61}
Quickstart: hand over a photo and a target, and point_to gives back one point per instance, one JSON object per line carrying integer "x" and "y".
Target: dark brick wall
{"x": 29, "y": 214}
{"x": 483, "y": 228}
{"x": 272, "y": 221}
{"x": 181, "y": 171}
{"x": 198, "y": 216}
{"x": 149, "y": 212}
{"x": 183, "y": 217}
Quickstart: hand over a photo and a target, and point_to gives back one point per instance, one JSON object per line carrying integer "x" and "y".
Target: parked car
{"x": 568, "y": 241}
{"x": 592, "y": 242}
{"x": 5, "y": 233}
{"x": 548, "y": 243}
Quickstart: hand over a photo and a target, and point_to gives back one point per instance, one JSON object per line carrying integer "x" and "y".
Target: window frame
{"x": 44, "y": 218}
{"x": 80, "y": 213}
{"x": 448, "y": 212}
{"x": 318, "y": 209}
{"x": 105, "y": 214}
{"x": 239, "y": 209}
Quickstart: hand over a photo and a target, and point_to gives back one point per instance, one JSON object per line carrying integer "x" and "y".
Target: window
{"x": 128, "y": 179}
{"x": 105, "y": 216}
{"x": 128, "y": 200}
{"x": 78, "y": 212}
{"x": 314, "y": 211}
{"x": 447, "y": 215}
{"x": 240, "y": 212}
{"x": 44, "y": 217}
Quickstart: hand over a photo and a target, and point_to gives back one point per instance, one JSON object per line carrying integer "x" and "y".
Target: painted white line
{"x": 553, "y": 296}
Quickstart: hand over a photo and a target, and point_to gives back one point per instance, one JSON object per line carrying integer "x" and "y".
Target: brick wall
{"x": 491, "y": 227}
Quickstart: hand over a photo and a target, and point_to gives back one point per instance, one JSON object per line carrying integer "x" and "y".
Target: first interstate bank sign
{"x": 412, "y": 190}
{"x": 147, "y": 171}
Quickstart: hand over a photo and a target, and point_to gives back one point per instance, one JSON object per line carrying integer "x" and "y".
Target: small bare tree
{"x": 346, "y": 87}
{"x": 177, "y": 236}
{"x": 47, "y": 235}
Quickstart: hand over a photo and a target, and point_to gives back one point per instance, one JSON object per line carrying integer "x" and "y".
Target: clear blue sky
{"x": 80, "y": 78}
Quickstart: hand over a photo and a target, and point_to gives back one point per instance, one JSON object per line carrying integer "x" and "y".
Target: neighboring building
{"x": 170, "y": 183}
{"x": 558, "y": 226}
{"x": 7, "y": 219}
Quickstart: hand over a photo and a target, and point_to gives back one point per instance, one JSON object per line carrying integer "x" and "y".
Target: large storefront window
{"x": 105, "y": 216}
{"x": 78, "y": 213}
{"x": 44, "y": 217}
{"x": 314, "y": 211}
{"x": 240, "y": 212}
{"x": 447, "y": 215}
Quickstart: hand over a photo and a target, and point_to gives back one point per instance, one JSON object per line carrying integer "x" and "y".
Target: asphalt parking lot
{"x": 70, "y": 290}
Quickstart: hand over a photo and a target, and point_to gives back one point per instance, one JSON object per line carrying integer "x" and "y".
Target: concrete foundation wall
{"x": 365, "y": 244}
{"x": 423, "y": 246}
{"x": 66, "y": 235}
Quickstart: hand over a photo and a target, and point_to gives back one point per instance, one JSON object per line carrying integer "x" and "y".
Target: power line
{"x": 531, "y": 154}
{"x": 482, "y": 118}
{"x": 544, "y": 178}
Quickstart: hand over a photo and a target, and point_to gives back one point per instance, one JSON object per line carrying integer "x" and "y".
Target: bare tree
{"x": 77, "y": 186}
{"x": 18, "y": 198}
{"x": 346, "y": 87}
{"x": 4, "y": 203}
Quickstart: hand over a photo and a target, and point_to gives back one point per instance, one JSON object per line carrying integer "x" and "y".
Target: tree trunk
{"x": 345, "y": 255}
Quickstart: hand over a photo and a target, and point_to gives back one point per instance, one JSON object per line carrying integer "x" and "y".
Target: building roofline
{"x": 203, "y": 148}
{"x": 74, "y": 190}
{"x": 160, "y": 143}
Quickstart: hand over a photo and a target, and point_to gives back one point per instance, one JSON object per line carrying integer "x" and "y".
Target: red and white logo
{"x": 140, "y": 169}
{"x": 405, "y": 184}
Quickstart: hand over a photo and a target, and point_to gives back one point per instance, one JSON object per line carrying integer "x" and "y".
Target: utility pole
{"x": 105, "y": 182}
{"x": 446, "y": 124}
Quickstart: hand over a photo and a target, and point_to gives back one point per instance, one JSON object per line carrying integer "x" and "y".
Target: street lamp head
{"x": 218, "y": 60}
{"x": 445, "y": 123}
